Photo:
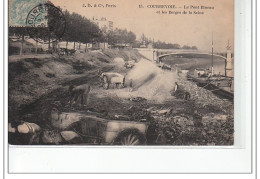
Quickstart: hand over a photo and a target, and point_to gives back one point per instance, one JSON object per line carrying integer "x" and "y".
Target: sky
{"x": 192, "y": 30}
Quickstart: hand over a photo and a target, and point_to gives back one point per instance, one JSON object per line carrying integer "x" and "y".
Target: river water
{"x": 206, "y": 62}
{"x": 192, "y": 63}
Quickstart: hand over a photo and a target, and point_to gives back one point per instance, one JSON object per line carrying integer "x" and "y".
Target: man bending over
{"x": 79, "y": 93}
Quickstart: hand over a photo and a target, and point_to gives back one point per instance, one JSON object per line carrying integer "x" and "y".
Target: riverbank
{"x": 35, "y": 84}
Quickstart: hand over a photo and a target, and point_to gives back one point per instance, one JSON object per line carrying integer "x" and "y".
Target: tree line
{"x": 79, "y": 29}
{"x": 162, "y": 45}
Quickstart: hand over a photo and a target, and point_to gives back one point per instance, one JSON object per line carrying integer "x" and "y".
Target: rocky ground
{"x": 205, "y": 119}
{"x": 37, "y": 83}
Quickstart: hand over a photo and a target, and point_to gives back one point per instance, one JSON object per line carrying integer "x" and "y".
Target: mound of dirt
{"x": 143, "y": 72}
{"x": 120, "y": 62}
{"x": 150, "y": 82}
{"x": 57, "y": 68}
{"x": 158, "y": 88}
{"x": 30, "y": 78}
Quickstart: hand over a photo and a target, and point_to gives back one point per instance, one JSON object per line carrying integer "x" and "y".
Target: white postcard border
{"x": 235, "y": 159}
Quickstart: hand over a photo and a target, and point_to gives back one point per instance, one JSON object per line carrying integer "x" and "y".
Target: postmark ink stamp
{"x": 45, "y": 23}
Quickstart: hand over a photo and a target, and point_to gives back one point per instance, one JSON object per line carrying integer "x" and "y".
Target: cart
{"x": 96, "y": 130}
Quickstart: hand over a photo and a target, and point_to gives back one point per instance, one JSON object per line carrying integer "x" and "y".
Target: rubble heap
{"x": 205, "y": 98}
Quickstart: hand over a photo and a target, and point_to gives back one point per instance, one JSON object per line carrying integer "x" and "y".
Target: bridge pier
{"x": 229, "y": 66}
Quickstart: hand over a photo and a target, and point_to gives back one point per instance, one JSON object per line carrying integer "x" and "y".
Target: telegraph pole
{"x": 212, "y": 70}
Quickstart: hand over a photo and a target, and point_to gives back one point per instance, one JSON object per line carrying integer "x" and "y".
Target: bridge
{"x": 158, "y": 54}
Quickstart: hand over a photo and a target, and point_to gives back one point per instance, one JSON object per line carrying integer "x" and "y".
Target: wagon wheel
{"x": 130, "y": 138}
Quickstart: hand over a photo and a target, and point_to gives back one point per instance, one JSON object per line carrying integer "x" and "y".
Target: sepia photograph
{"x": 121, "y": 73}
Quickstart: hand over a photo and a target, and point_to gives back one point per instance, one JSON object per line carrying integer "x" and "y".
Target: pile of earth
{"x": 148, "y": 81}
{"x": 107, "y": 56}
{"x": 205, "y": 100}
{"x": 181, "y": 123}
{"x": 29, "y": 78}
{"x": 192, "y": 130}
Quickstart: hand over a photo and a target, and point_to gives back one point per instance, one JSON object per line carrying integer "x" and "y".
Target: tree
{"x": 163, "y": 45}
{"x": 19, "y": 32}
{"x": 131, "y": 37}
{"x": 120, "y": 36}
{"x": 176, "y": 46}
{"x": 80, "y": 29}
{"x": 194, "y": 48}
{"x": 144, "y": 38}
{"x": 186, "y": 47}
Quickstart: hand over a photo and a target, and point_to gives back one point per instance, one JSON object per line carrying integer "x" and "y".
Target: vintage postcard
{"x": 121, "y": 72}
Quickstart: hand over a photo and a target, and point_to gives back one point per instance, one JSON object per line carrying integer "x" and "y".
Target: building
{"x": 103, "y": 23}
{"x": 143, "y": 45}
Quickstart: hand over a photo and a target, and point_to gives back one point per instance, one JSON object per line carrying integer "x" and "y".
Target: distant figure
{"x": 187, "y": 95}
{"x": 81, "y": 92}
{"x": 180, "y": 93}
{"x": 176, "y": 87}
